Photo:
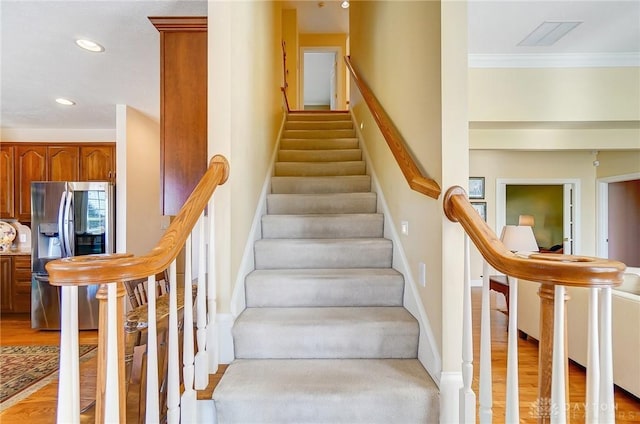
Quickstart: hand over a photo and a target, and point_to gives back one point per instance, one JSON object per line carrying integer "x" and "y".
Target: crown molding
{"x": 555, "y": 60}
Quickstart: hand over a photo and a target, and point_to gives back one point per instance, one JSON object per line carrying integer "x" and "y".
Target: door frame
{"x": 602, "y": 210}
{"x": 337, "y": 50}
{"x": 571, "y": 220}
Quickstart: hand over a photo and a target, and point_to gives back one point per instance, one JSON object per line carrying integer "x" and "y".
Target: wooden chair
{"x": 136, "y": 324}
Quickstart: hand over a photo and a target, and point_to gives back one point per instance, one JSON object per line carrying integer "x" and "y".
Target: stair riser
{"x": 317, "y": 185}
{"x": 301, "y": 226}
{"x": 317, "y": 116}
{"x": 317, "y": 204}
{"x": 319, "y": 125}
{"x": 314, "y": 335}
{"x": 320, "y": 156}
{"x": 319, "y": 169}
{"x": 318, "y": 144}
{"x": 347, "y": 253}
{"x": 319, "y": 134}
{"x": 282, "y": 291}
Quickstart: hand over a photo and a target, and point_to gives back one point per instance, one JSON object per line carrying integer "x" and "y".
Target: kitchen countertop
{"x": 16, "y": 252}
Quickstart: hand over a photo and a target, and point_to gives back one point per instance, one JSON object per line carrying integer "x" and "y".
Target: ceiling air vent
{"x": 548, "y": 33}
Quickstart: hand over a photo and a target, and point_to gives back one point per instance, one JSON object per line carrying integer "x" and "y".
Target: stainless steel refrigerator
{"x": 67, "y": 219}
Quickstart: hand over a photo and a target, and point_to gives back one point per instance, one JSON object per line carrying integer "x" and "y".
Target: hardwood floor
{"x": 40, "y": 408}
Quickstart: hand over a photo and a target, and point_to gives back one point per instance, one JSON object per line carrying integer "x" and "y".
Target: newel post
{"x": 113, "y": 354}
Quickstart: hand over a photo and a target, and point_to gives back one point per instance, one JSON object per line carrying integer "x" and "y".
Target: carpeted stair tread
{"x": 318, "y": 125}
{"x": 301, "y": 134}
{"x": 330, "y": 203}
{"x": 324, "y": 287}
{"x": 323, "y": 253}
{"x": 326, "y": 155}
{"x": 353, "y": 332}
{"x": 319, "y": 168}
{"x": 324, "y": 391}
{"x": 319, "y": 116}
{"x": 348, "y": 143}
{"x": 314, "y": 185}
{"x": 322, "y": 226}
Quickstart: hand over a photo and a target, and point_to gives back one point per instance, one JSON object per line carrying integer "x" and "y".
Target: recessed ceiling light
{"x": 65, "y": 102}
{"x": 92, "y": 46}
{"x": 548, "y": 33}
{"x": 345, "y": 4}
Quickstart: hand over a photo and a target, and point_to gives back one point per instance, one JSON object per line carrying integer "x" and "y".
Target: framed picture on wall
{"x": 481, "y": 208}
{"x": 476, "y": 187}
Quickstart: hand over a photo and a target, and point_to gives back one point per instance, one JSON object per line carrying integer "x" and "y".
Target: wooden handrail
{"x": 107, "y": 268}
{"x": 286, "y": 99}
{"x": 548, "y": 268}
{"x": 398, "y": 146}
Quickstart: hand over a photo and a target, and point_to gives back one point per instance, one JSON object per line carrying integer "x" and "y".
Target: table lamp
{"x": 519, "y": 238}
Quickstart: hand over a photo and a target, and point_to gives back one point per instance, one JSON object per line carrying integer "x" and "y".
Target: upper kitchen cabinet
{"x": 30, "y": 165}
{"x": 63, "y": 163}
{"x": 183, "y": 107}
{"x": 97, "y": 163}
{"x": 6, "y": 181}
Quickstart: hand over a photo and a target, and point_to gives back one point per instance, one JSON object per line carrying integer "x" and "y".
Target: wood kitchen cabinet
{"x": 23, "y": 163}
{"x": 6, "y": 281}
{"x": 15, "y": 283}
{"x": 63, "y": 163}
{"x": 183, "y": 107}
{"x": 97, "y": 163}
{"x": 6, "y": 181}
{"x": 30, "y": 165}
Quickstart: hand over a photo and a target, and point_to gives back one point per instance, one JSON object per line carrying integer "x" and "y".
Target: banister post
{"x": 103, "y": 337}
{"x": 545, "y": 352}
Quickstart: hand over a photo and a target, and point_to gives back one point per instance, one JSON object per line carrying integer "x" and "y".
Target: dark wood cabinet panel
{"x": 30, "y": 165}
{"x": 183, "y": 108}
{"x": 63, "y": 163}
{"x": 6, "y": 281}
{"x": 21, "y": 290}
{"x": 97, "y": 163}
{"x": 7, "y": 209}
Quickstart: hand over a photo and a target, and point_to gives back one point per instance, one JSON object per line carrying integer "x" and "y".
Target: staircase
{"x": 324, "y": 337}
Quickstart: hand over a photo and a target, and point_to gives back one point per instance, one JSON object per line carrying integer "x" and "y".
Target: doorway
{"x": 618, "y": 219}
{"x": 552, "y": 203}
{"x": 319, "y": 78}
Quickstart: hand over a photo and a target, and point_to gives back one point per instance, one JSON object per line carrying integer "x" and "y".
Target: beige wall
{"x": 615, "y": 163}
{"x": 245, "y": 111}
{"x": 537, "y": 166}
{"x": 138, "y": 217}
{"x": 330, "y": 40}
{"x": 290, "y": 37}
{"x": 554, "y": 94}
{"x": 396, "y": 46}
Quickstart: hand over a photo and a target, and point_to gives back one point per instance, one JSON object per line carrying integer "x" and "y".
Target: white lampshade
{"x": 519, "y": 238}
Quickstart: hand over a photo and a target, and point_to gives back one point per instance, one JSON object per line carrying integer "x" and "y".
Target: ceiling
{"x": 43, "y": 63}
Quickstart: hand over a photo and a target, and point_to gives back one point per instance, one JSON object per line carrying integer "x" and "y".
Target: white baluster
{"x": 212, "y": 325}
{"x": 486, "y": 396}
{"x": 173, "y": 360}
{"x": 202, "y": 360}
{"x": 558, "y": 383}
{"x": 512, "y": 412}
{"x": 112, "y": 395}
{"x": 153, "y": 405}
{"x": 467, "y": 397}
{"x": 69, "y": 381}
{"x": 607, "y": 401}
{"x": 188, "y": 402}
{"x": 593, "y": 362}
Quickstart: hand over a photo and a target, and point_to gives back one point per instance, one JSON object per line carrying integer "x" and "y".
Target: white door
{"x": 333, "y": 94}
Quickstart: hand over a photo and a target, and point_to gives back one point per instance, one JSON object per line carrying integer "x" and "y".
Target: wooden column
{"x": 545, "y": 352}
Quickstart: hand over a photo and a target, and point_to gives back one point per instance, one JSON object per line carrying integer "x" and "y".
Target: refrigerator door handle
{"x": 61, "y": 226}
{"x": 68, "y": 224}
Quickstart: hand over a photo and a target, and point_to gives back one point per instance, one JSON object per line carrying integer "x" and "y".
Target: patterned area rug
{"x": 25, "y": 369}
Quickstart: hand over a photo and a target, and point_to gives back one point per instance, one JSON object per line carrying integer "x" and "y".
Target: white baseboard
{"x": 450, "y": 385}
{"x": 225, "y": 339}
{"x": 207, "y": 411}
